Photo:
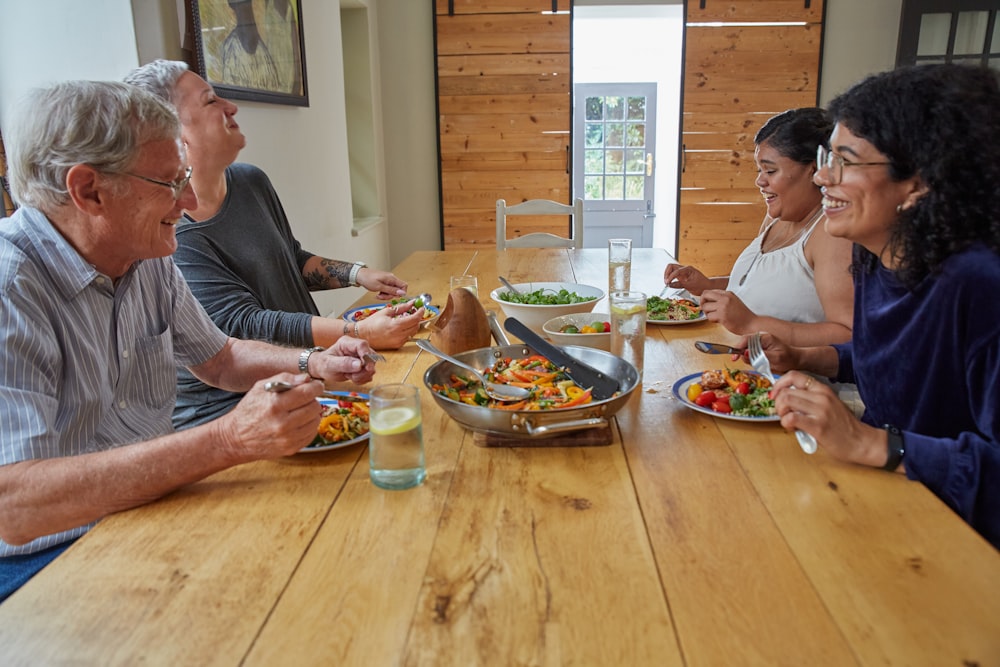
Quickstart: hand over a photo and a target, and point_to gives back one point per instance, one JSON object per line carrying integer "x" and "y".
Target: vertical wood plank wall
{"x": 505, "y": 108}
{"x": 735, "y": 78}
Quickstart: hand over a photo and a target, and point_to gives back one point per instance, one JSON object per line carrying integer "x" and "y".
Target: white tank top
{"x": 779, "y": 283}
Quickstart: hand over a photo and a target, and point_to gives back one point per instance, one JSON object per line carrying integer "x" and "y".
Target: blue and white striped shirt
{"x": 86, "y": 364}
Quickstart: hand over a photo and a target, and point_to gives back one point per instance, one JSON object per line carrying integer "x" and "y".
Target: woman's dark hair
{"x": 941, "y": 123}
{"x": 797, "y": 133}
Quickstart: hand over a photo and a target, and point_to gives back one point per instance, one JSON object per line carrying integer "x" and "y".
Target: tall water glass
{"x": 628, "y": 327}
{"x": 396, "y": 443}
{"x": 619, "y": 264}
{"x": 470, "y": 283}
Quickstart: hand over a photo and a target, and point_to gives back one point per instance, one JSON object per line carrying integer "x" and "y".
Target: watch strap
{"x": 897, "y": 448}
{"x": 352, "y": 279}
{"x": 304, "y": 359}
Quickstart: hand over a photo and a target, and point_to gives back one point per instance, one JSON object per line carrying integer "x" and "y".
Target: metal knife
{"x": 716, "y": 348}
{"x": 583, "y": 374}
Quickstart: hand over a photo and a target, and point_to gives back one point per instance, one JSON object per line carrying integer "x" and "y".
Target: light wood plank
{"x": 759, "y": 10}
{"x": 503, "y": 34}
{"x": 504, "y": 103}
{"x": 503, "y": 64}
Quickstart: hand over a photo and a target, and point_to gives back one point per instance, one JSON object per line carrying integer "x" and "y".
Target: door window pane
{"x": 637, "y": 108}
{"x": 614, "y": 162}
{"x": 593, "y": 187}
{"x": 593, "y": 162}
{"x": 594, "y": 135}
{"x": 595, "y": 108}
{"x": 615, "y": 187}
{"x": 636, "y": 135}
{"x": 616, "y": 134}
{"x": 635, "y": 162}
{"x": 634, "y": 187}
{"x": 614, "y": 108}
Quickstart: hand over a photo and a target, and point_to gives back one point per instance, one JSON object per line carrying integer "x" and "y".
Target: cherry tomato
{"x": 743, "y": 388}
{"x": 705, "y": 398}
{"x": 722, "y": 406}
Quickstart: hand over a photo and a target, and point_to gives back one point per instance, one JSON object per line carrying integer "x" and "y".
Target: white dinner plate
{"x": 353, "y": 314}
{"x": 309, "y": 449}
{"x": 680, "y": 393}
{"x": 701, "y": 318}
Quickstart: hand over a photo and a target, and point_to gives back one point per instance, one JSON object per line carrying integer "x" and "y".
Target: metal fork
{"x": 760, "y": 364}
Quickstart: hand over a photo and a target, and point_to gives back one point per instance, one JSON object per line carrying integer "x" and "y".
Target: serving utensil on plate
{"x": 760, "y": 364}
{"x": 583, "y": 374}
{"x": 496, "y": 391}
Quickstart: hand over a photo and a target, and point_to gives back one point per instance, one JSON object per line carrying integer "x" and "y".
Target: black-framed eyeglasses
{"x": 835, "y": 164}
{"x": 177, "y": 187}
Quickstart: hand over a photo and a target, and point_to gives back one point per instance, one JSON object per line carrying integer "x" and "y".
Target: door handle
{"x": 649, "y": 164}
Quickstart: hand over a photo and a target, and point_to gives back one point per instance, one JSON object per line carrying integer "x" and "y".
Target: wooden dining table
{"x": 688, "y": 540}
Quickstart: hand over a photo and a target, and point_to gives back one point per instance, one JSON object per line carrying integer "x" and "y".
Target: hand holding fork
{"x": 760, "y": 364}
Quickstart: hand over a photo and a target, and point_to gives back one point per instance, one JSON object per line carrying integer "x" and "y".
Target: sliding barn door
{"x": 743, "y": 63}
{"x": 504, "y": 112}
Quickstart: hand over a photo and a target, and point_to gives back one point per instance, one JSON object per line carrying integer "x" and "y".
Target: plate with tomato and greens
{"x": 730, "y": 394}
{"x": 364, "y": 312}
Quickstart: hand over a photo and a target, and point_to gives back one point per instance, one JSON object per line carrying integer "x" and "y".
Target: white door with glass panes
{"x": 614, "y": 132}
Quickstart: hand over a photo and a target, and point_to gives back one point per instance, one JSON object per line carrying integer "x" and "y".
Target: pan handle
{"x": 496, "y": 329}
{"x": 561, "y": 427}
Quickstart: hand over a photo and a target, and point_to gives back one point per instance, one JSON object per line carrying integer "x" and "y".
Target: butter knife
{"x": 716, "y": 348}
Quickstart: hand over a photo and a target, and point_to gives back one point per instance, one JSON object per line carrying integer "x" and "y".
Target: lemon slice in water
{"x": 391, "y": 421}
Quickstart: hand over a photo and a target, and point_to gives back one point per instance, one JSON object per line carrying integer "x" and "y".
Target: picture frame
{"x": 251, "y": 49}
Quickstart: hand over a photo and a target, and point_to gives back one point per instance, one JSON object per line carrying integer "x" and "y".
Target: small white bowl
{"x": 601, "y": 341}
{"x": 534, "y": 316}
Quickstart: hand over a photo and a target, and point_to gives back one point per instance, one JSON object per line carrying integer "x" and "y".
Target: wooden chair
{"x": 540, "y": 239}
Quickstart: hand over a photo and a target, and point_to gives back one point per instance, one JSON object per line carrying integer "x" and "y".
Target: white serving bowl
{"x": 534, "y": 316}
{"x": 601, "y": 341}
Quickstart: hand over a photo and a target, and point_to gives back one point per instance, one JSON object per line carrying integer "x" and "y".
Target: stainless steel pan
{"x": 533, "y": 423}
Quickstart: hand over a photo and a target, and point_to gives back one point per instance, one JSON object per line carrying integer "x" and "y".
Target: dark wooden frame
{"x": 217, "y": 16}
{"x": 909, "y": 30}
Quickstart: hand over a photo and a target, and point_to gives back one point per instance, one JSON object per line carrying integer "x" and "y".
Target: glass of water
{"x": 619, "y": 264}
{"x": 396, "y": 442}
{"x": 470, "y": 283}
{"x": 628, "y": 327}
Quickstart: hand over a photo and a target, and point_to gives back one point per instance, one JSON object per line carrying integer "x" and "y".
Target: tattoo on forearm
{"x": 332, "y": 273}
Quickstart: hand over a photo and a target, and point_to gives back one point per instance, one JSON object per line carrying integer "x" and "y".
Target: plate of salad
{"x": 363, "y": 312}
{"x": 673, "y": 311}
{"x": 344, "y": 422}
{"x": 730, "y": 394}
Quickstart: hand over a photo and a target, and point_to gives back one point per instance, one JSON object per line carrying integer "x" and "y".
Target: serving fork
{"x": 760, "y": 364}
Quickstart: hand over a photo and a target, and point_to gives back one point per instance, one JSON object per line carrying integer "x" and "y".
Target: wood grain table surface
{"x": 689, "y": 540}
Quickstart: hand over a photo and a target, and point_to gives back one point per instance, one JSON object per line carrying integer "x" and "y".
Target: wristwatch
{"x": 896, "y": 448}
{"x": 352, "y": 280}
{"x": 304, "y": 359}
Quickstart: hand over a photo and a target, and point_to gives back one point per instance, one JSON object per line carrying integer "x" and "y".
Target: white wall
{"x": 46, "y": 41}
{"x": 860, "y": 39}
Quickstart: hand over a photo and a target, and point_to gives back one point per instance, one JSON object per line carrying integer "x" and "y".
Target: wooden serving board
{"x": 591, "y": 437}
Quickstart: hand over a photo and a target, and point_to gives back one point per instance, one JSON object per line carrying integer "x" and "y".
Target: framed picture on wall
{"x": 251, "y": 49}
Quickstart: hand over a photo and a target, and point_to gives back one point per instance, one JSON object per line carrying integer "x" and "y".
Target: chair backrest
{"x": 540, "y": 239}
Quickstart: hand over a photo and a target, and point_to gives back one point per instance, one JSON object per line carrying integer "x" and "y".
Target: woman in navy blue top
{"x": 912, "y": 177}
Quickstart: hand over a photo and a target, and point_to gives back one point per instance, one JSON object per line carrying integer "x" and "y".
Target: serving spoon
{"x": 499, "y": 392}
{"x": 508, "y": 285}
